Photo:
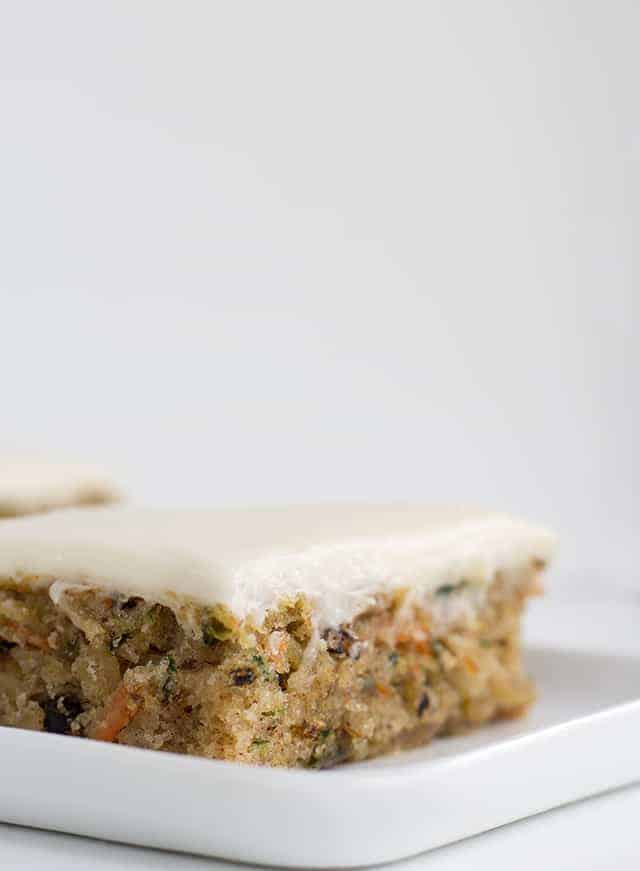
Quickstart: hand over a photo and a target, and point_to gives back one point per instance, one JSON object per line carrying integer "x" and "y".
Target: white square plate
{"x": 580, "y": 739}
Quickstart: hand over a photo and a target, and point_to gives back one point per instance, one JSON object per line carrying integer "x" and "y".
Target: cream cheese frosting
{"x": 28, "y": 486}
{"x": 339, "y": 556}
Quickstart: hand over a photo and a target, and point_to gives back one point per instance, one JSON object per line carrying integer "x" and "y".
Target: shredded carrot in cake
{"x": 121, "y": 710}
{"x": 470, "y": 664}
{"x": 26, "y": 636}
{"x": 383, "y": 689}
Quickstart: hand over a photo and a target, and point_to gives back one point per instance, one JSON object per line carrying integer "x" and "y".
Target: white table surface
{"x": 598, "y": 833}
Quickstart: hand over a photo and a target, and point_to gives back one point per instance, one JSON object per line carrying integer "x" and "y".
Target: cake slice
{"x": 28, "y": 487}
{"x": 299, "y": 636}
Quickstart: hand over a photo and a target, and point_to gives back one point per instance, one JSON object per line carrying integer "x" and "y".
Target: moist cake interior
{"x": 195, "y": 679}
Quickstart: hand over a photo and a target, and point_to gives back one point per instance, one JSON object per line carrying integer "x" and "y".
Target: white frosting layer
{"x": 247, "y": 559}
{"x": 27, "y": 487}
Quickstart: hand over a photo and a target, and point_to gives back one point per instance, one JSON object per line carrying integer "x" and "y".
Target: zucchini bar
{"x": 299, "y": 636}
{"x": 35, "y": 487}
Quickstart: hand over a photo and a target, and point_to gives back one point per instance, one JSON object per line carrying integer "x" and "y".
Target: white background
{"x": 258, "y": 252}
{"x": 266, "y": 252}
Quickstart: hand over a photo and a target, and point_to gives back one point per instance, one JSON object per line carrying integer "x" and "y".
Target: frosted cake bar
{"x": 33, "y": 487}
{"x": 300, "y": 636}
